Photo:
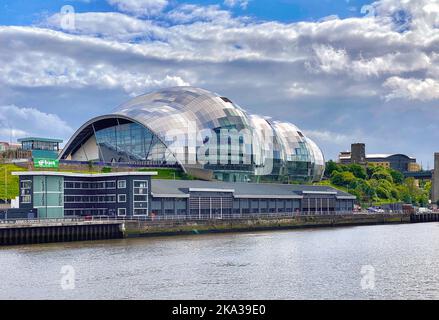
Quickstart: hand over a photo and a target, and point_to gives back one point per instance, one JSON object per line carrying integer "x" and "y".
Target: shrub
{"x": 358, "y": 171}
{"x": 342, "y": 178}
{"x": 397, "y": 176}
{"x": 331, "y": 166}
{"x": 383, "y": 193}
{"x": 382, "y": 175}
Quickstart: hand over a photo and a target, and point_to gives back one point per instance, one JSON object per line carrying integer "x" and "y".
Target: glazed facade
{"x": 203, "y": 133}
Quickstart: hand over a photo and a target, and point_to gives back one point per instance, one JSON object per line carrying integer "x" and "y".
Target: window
{"x": 110, "y": 198}
{"x": 140, "y": 197}
{"x": 110, "y": 185}
{"x": 121, "y": 184}
{"x": 121, "y": 198}
{"x": 121, "y": 212}
{"x": 69, "y": 185}
{"x": 141, "y": 212}
{"x": 25, "y": 191}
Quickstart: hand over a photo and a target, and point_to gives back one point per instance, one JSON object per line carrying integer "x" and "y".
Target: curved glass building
{"x": 203, "y": 133}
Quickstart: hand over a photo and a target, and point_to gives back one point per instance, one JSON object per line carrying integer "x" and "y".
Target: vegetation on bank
{"x": 376, "y": 185}
{"x": 8, "y": 182}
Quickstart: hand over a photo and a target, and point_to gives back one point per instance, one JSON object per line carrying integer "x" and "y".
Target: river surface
{"x": 366, "y": 262}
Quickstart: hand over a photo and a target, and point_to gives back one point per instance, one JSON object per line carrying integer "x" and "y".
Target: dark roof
{"x": 39, "y": 139}
{"x": 181, "y": 188}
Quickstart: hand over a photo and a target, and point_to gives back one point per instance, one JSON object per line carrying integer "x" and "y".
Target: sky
{"x": 343, "y": 71}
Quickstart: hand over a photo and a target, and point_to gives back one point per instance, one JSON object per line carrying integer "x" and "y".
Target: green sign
{"x": 45, "y": 163}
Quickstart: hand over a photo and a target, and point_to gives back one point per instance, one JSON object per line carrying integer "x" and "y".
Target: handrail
{"x": 191, "y": 217}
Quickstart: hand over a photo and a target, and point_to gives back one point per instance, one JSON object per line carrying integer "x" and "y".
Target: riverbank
{"x": 58, "y": 230}
{"x": 181, "y": 227}
{"x": 315, "y": 263}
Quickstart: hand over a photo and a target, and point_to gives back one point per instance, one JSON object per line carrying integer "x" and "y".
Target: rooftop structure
{"x": 204, "y": 133}
{"x": 41, "y": 147}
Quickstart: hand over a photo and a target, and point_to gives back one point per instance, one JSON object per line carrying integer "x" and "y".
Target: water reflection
{"x": 300, "y": 264}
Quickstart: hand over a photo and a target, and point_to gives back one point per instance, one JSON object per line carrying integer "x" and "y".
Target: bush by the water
{"x": 376, "y": 184}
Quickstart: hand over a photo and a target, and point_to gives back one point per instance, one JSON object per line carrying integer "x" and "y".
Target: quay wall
{"x": 46, "y": 231}
{"x": 170, "y": 227}
{"x": 58, "y": 232}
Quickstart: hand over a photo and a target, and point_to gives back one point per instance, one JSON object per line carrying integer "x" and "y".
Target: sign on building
{"x": 45, "y": 163}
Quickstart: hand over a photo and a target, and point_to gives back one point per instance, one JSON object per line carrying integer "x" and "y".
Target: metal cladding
{"x": 186, "y": 122}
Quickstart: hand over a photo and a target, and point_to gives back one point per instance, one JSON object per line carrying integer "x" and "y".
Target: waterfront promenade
{"x": 24, "y": 231}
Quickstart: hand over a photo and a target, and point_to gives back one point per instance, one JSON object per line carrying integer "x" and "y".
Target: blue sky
{"x": 26, "y": 12}
{"x": 340, "y": 74}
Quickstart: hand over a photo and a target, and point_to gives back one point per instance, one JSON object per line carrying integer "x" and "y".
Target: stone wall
{"x": 155, "y": 228}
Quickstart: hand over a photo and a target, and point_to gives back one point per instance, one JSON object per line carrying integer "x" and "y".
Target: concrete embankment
{"x": 43, "y": 231}
{"x": 157, "y": 228}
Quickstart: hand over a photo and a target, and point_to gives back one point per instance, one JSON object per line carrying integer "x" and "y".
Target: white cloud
{"x": 412, "y": 89}
{"x": 17, "y": 122}
{"x": 140, "y": 8}
{"x": 190, "y": 13}
{"x": 328, "y": 136}
{"x": 302, "y": 71}
{"x": 33, "y": 68}
{"x": 299, "y": 89}
{"x": 331, "y": 57}
{"x": 330, "y": 60}
{"x": 10, "y": 134}
{"x": 236, "y": 3}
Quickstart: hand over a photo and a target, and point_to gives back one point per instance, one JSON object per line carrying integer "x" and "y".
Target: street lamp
{"x": 6, "y": 186}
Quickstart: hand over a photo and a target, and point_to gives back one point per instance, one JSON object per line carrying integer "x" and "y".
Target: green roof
{"x": 39, "y": 139}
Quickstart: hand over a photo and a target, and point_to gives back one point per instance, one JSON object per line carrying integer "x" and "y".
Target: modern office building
{"x": 399, "y": 162}
{"x": 61, "y": 194}
{"x": 41, "y": 147}
{"x": 205, "y": 134}
{"x": 134, "y": 194}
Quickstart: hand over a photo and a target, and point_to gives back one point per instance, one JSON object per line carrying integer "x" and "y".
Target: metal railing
{"x": 192, "y": 217}
{"x": 235, "y": 216}
{"x": 23, "y": 221}
{"x": 133, "y": 164}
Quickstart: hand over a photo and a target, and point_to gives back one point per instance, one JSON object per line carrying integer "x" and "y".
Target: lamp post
{"x": 6, "y": 186}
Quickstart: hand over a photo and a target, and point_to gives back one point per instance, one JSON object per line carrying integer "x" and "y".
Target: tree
{"x": 397, "y": 176}
{"x": 342, "y": 179}
{"x": 358, "y": 171}
{"x": 331, "y": 166}
{"x": 382, "y": 175}
{"x": 375, "y": 183}
{"x": 370, "y": 170}
{"x": 383, "y": 193}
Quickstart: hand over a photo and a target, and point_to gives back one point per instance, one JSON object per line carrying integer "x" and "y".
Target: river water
{"x": 366, "y": 262}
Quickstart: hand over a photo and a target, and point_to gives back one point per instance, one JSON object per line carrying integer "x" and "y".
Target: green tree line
{"x": 375, "y": 184}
